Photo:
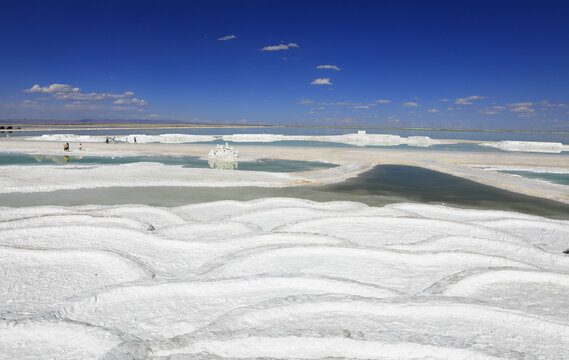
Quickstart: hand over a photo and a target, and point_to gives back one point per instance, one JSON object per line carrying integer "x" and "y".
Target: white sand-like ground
{"x": 353, "y": 161}
{"x": 282, "y": 278}
{"x": 278, "y": 278}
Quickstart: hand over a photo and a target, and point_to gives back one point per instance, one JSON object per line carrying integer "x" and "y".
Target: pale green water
{"x": 562, "y": 179}
{"x": 186, "y": 161}
{"x": 385, "y": 184}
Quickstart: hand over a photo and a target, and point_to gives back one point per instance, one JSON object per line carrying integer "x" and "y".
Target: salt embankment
{"x": 357, "y": 139}
{"x": 528, "y": 146}
{"x": 44, "y": 178}
{"x": 282, "y": 278}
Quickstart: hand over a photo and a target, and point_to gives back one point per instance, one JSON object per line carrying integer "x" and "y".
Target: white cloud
{"x": 67, "y": 92}
{"x": 468, "y": 100}
{"x": 444, "y": 99}
{"x": 321, "y": 81}
{"x": 546, "y": 103}
{"x": 331, "y": 67}
{"x": 361, "y": 107}
{"x": 227, "y": 37}
{"x": 522, "y": 109}
{"x": 411, "y": 104}
{"x": 131, "y": 101}
{"x": 306, "y": 102}
{"x": 382, "y": 101}
{"x": 433, "y": 110}
{"x": 280, "y": 47}
{"x": 91, "y": 96}
{"x": 52, "y": 89}
{"x": 521, "y": 104}
{"x": 490, "y": 112}
{"x": 498, "y": 107}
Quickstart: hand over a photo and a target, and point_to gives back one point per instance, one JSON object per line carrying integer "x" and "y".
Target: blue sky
{"x": 484, "y": 64}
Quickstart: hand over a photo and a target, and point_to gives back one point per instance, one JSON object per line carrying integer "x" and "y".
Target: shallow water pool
{"x": 186, "y": 161}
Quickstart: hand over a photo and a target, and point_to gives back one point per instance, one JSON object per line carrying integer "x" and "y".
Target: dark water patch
{"x": 426, "y": 186}
{"x": 385, "y": 184}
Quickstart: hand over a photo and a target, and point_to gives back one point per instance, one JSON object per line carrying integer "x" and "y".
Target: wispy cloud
{"x": 468, "y": 100}
{"x": 331, "y": 67}
{"x": 433, "y": 110}
{"x": 227, "y": 37}
{"x": 131, "y": 101}
{"x": 280, "y": 47}
{"x": 306, "y": 102}
{"x": 522, "y": 109}
{"x": 548, "y": 104}
{"x": 97, "y": 104}
{"x": 521, "y": 104}
{"x": 444, "y": 99}
{"x": 91, "y": 96}
{"x": 321, "y": 81}
{"x": 493, "y": 110}
{"x": 67, "y": 92}
{"x": 411, "y": 104}
{"x": 361, "y": 107}
{"x": 544, "y": 103}
{"x": 52, "y": 89}
{"x": 382, "y": 101}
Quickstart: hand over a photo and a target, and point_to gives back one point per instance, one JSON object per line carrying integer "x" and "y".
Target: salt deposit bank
{"x": 277, "y": 276}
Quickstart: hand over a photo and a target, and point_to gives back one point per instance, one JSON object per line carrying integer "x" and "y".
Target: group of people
{"x": 66, "y": 147}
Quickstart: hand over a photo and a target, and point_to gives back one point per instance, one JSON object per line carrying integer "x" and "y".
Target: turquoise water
{"x": 562, "y": 179}
{"x": 435, "y": 134}
{"x": 385, "y": 184}
{"x": 186, "y": 161}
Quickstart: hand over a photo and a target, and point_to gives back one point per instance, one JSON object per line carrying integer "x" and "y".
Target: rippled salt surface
{"x": 282, "y": 278}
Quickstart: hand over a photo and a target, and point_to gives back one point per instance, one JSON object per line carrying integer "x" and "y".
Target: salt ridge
{"x": 528, "y": 146}
{"x": 357, "y": 139}
{"x": 321, "y": 276}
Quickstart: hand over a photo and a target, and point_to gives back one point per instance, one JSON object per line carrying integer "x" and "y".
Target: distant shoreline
{"x": 25, "y": 127}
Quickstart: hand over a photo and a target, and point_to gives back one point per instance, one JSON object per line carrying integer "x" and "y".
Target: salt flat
{"x": 282, "y": 278}
{"x": 353, "y": 161}
{"x": 278, "y": 277}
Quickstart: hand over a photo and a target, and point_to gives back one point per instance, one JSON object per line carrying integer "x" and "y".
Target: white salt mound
{"x": 282, "y": 278}
{"x": 528, "y": 146}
